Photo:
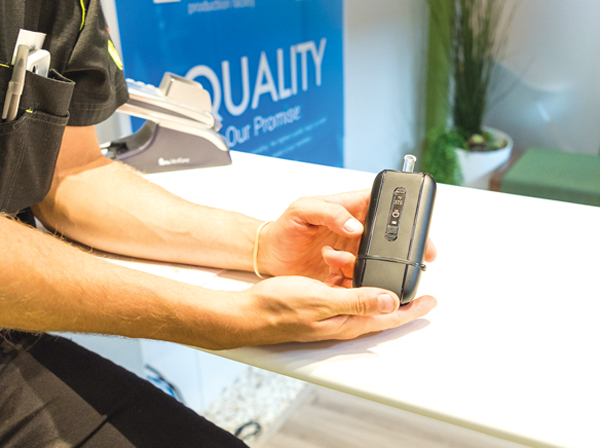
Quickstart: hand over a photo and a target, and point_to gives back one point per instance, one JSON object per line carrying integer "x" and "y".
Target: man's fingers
{"x": 364, "y": 302}
{"x": 338, "y": 280}
{"x": 430, "y": 251}
{"x": 316, "y": 211}
{"x": 300, "y": 309}
{"x": 339, "y": 259}
{"x": 349, "y": 327}
{"x": 417, "y": 308}
{"x": 353, "y": 201}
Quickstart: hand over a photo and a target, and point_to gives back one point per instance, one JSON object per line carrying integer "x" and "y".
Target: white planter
{"x": 477, "y": 166}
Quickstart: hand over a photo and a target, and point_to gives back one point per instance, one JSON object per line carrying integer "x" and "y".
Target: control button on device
{"x": 392, "y": 230}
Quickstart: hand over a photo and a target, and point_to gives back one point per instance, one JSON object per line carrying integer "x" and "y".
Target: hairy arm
{"x": 48, "y": 285}
{"x": 107, "y": 205}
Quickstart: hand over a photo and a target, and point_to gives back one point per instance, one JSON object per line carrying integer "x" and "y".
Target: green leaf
{"x": 440, "y": 160}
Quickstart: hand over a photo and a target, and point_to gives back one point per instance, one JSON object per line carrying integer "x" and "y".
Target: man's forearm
{"x": 48, "y": 285}
{"x": 112, "y": 208}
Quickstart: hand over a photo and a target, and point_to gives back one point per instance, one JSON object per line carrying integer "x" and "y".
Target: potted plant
{"x": 464, "y": 151}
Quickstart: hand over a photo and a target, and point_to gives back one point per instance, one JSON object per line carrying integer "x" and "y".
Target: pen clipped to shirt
{"x": 16, "y": 84}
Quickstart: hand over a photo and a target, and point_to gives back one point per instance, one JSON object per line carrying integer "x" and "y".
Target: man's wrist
{"x": 257, "y": 241}
{"x": 261, "y": 260}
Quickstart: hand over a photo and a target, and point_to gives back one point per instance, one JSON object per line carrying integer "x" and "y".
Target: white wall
{"x": 552, "y": 73}
{"x": 117, "y": 125}
{"x": 384, "y": 75}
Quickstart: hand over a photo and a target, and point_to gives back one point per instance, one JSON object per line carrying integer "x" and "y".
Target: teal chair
{"x": 551, "y": 174}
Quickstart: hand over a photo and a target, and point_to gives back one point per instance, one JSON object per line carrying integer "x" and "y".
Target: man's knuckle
{"x": 363, "y": 305}
{"x": 337, "y": 212}
{"x": 304, "y": 200}
{"x": 298, "y": 205}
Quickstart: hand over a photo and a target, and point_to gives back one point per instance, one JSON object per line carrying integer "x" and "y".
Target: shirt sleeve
{"x": 96, "y": 68}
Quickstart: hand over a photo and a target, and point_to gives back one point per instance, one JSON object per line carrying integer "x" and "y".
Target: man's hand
{"x": 283, "y": 309}
{"x": 304, "y": 239}
{"x": 318, "y": 237}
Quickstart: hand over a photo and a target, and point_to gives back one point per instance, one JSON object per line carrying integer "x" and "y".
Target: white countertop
{"x": 512, "y": 349}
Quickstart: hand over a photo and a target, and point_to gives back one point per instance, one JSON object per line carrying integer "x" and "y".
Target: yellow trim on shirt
{"x": 114, "y": 54}
{"x": 82, "y": 14}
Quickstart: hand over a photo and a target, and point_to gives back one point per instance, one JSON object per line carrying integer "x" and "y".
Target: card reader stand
{"x": 180, "y": 131}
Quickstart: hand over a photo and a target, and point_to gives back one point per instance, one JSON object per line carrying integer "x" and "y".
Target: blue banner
{"x": 274, "y": 68}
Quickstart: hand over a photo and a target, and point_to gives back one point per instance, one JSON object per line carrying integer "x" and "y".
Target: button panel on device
{"x": 393, "y": 224}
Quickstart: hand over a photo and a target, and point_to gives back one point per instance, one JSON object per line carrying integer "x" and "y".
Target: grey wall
{"x": 117, "y": 125}
{"x": 384, "y": 74}
{"x": 552, "y": 76}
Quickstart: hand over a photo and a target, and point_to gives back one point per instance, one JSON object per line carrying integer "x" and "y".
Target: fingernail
{"x": 387, "y": 304}
{"x": 353, "y": 226}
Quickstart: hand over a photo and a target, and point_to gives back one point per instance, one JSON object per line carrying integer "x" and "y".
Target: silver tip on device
{"x": 409, "y": 163}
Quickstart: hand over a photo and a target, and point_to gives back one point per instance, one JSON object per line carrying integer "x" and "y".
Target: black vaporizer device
{"x": 392, "y": 247}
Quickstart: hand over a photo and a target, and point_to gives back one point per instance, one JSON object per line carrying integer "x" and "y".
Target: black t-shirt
{"x": 85, "y": 86}
{"x": 78, "y": 40}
